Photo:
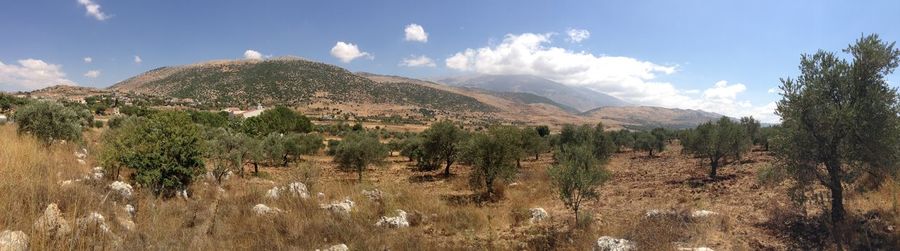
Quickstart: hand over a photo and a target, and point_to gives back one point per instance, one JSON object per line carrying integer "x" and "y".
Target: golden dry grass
{"x": 445, "y": 220}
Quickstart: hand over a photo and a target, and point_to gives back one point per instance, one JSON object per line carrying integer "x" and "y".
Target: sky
{"x": 722, "y": 56}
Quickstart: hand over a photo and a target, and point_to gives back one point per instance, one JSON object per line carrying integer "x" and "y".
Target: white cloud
{"x": 93, "y": 9}
{"x": 137, "y": 59}
{"x": 31, "y": 74}
{"x": 347, "y": 52}
{"x": 415, "y": 32}
{"x": 577, "y": 35}
{"x": 774, "y": 90}
{"x": 88, "y": 60}
{"x": 414, "y": 61}
{"x": 627, "y": 78}
{"x": 254, "y": 55}
{"x": 92, "y": 74}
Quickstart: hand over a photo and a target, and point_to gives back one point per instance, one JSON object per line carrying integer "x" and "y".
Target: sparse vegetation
{"x": 358, "y": 151}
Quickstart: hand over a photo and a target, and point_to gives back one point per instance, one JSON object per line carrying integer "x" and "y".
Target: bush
{"x": 98, "y": 124}
{"x": 49, "y": 122}
{"x": 440, "y": 145}
{"x": 164, "y": 150}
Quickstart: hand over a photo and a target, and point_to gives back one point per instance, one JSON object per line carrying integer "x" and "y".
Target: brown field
{"x": 749, "y": 215}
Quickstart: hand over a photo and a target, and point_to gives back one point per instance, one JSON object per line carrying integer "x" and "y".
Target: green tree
{"x": 533, "y": 143}
{"x": 226, "y": 152}
{"x": 492, "y": 157}
{"x": 644, "y": 141}
{"x": 716, "y": 140}
{"x": 357, "y": 151}
{"x": 279, "y": 119}
{"x": 273, "y": 148}
{"x": 440, "y": 144}
{"x": 623, "y": 139}
{"x": 577, "y": 175}
{"x": 543, "y": 130}
{"x": 164, "y": 150}
{"x": 411, "y": 147}
{"x": 753, "y": 129}
{"x": 840, "y": 120}
{"x": 49, "y": 122}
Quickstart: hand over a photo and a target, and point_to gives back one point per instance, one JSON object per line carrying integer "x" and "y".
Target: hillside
{"x": 643, "y": 117}
{"x": 286, "y": 81}
{"x": 66, "y": 91}
{"x": 580, "y": 98}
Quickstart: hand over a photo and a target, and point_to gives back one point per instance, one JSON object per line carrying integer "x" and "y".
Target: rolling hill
{"x": 286, "y": 81}
{"x": 580, "y": 98}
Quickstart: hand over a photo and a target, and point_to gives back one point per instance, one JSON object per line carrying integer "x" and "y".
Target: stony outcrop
{"x": 607, "y": 243}
{"x": 537, "y": 215}
{"x": 398, "y": 221}
{"x": 13, "y": 241}
{"x": 342, "y": 207}
{"x": 51, "y": 223}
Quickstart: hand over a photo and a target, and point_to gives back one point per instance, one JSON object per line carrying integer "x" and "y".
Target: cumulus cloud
{"x": 93, "y": 9}
{"x": 92, "y": 74}
{"x": 416, "y": 33}
{"x": 254, "y": 55}
{"x": 137, "y": 59}
{"x": 577, "y": 35}
{"x": 347, "y": 52}
{"x": 30, "y": 74}
{"x": 630, "y": 79}
{"x": 417, "y": 61}
{"x": 88, "y": 60}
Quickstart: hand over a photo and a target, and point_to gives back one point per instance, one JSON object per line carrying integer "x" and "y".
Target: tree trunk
{"x": 359, "y": 172}
{"x": 714, "y": 163}
{"x": 490, "y": 188}
{"x": 537, "y": 156}
{"x": 256, "y": 168}
{"x": 837, "y": 202}
{"x": 651, "y": 152}
{"x": 447, "y": 169}
{"x": 519, "y": 163}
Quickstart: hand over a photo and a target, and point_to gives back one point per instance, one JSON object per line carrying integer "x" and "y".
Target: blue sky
{"x": 723, "y": 56}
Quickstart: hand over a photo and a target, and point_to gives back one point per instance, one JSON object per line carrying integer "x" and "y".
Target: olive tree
{"x": 440, "y": 145}
{"x": 840, "y": 120}
{"x": 48, "y": 122}
{"x": 716, "y": 140}
{"x": 493, "y": 157}
{"x": 577, "y": 175}
{"x": 357, "y": 151}
{"x": 164, "y": 150}
{"x": 533, "y": 144}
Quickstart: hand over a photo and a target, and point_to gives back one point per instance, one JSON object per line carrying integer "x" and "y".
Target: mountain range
{"x": 318, "y": 86}
{"x": 580, "y": 98}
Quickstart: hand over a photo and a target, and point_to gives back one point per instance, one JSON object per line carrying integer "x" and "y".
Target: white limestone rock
{"x": 398, "y": 221}
{"x": 51, "y": 223}
{"x": 607, "y": 243}
{"x": 262, "y": 209}
{"x": 343, "y": 207}
{"x": 121, "y": 188}
{"x": 13, "y": 241}
{"x": 538, "y": 214}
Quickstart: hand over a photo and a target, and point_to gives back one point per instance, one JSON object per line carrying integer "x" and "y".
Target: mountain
{"x": 646, "y": 117}
{"x": 287, "y": 81}
{"x": 580, "y": 98}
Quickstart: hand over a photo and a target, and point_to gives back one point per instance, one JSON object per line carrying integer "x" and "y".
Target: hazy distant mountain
{"x": 646, "y": 117}
{"x": 580, "y": 98}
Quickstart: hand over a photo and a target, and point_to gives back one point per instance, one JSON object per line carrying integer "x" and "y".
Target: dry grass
{"x": 214, "y": 220}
